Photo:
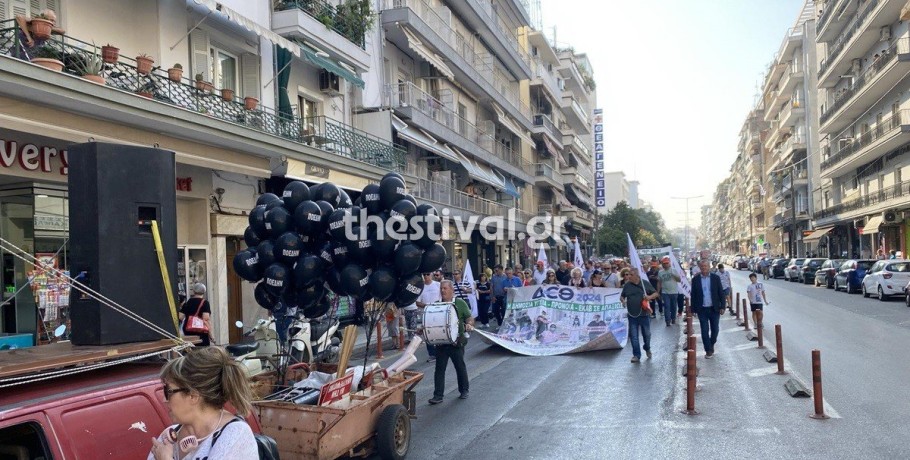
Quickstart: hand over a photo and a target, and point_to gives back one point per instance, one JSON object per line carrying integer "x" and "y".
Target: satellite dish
{"x": 239, "y": 324}
{"x": 60, "y": 330}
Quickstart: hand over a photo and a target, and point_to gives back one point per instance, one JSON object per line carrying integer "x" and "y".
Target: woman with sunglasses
{"x": 597, "y": 279}
{"x": 527, "y": 279}
{"x": 197, "y": 386}
{"x": 577, "y": 280}
{"x": 551, "y": 278}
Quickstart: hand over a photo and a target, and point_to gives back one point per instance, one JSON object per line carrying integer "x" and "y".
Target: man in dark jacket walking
{"x": 708, "y": 302}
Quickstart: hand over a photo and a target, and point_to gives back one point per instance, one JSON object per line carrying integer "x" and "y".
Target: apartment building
{"x": 864, "y": 50}
{"x": 618, "y": 188}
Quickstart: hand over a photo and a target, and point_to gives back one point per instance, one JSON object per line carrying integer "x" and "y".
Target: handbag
{"x": 195, "y": 324}
{"x": 645, "y": 303}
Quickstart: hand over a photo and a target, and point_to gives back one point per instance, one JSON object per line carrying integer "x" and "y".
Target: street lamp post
{"x": 687, "y": 198}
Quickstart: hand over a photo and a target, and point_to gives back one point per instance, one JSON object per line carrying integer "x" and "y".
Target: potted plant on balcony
{"x": 48, "y": 57}
{"x": 144, "y": 63}
{"x": 354, "y": 18}
{"x": 175, "y": 73}
{"x": 110, "y": 54}
{"x": 250, "y": 103}
{"x": 202, "y": 85}
{"x": 40, "y": 26}
{"x": 227, "y": 94}
{"x": 90, "y": 66}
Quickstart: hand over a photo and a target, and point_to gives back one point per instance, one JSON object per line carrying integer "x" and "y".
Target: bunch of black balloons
{"x": 315, "y": 239}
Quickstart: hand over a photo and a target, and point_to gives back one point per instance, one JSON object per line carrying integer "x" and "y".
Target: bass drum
{"x": 440, "y": 324}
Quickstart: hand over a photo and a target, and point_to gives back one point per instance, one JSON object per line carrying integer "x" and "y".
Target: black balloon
{"x": 308, "y": 218}
{"x": 407, "y": 258}
{"x": 340, "y": 254}
{"x": 251, "y": 238}
{"x": 370, "y": 199}
{"x": 433, "y": 258}
{"x": 354, "y": 280}
{"x": 267, "y": 198}
{"x": 327, "y": 209}
{"x": 333, "y": 280}
{"x": 337, "y": 222}
{"x": 287, "y": 247}
{"x": 383, "y": 283}
{"x": 277, "y": 221}
{"x": 264, "y": 298}
{"x": 257, "y": 221}
{"x": 426, "y": 209}
{"x": 246, "y": 264}
{"x": 428, "y": 231}
{"x": 307, "y": 271}
{"x": 383, "y": 248}
{"x": 289, "y": 297}
{"x": 411, "y": 199}
{"x": 267, "y": 253}
{"x": 276, "y": 278}
{"x": 295, "y": 193}
{"x": 307, "y": 297}
{"x": 324, "y": 252}
{"x": 344, "y": 200}
{"x": 272, "y": 205}
{"x": 403, "y": 208}
{"x": 360, "y": 248}
{"x": 397, "y": 228}
{"x": 320, "y": 308}
{"x": 409, "y": 289}
{"x": 393, "y": 174}
{"x": 391, "y": 190}
{"x": 328, "y": 192}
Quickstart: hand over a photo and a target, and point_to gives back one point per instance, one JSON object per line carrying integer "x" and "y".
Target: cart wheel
{"x": 393, "y": 432}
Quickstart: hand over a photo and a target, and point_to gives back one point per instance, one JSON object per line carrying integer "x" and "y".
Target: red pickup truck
{"x": 104, "y": 413}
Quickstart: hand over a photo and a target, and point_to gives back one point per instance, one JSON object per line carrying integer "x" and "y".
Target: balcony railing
{"x": 898, "y": 190}
{"x": 545, "y": 209}
{"x": 829, "y": 13}
{"x": 900, "y": 46}
{"x": 321, "y": 132}
{"x": 847, "y": 34}
{"x": 343, "y": 18}
{"x": 409, "y": 95}
{"x": 545, "y": 170}
{"x": 847, "y": 149}
{"x": 541, "y": 71}
{"x": 496, "y": 21}
{"x": 545, "y": 121}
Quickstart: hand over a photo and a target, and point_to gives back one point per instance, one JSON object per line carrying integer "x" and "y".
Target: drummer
{"x": 454, "y": 352}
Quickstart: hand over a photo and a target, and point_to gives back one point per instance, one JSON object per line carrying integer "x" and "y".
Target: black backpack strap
{"x": 218, "y": 433}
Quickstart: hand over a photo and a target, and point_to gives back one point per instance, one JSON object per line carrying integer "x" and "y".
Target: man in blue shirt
{"x": 498, "y": 285}
{"x": 708, "y": 302}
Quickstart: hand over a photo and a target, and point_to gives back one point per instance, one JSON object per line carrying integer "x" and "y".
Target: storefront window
{"x": 191, "y": 269}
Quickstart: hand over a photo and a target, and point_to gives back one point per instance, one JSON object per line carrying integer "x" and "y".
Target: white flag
{"x": 684, "y": 286}
{"x": 467, "y": 277}
{"x": 542, "y": 257}
{"x": 579, "y": 261}
{"x": 634, "y": 259}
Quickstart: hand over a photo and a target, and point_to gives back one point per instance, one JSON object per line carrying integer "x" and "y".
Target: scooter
{"x": 254, "y": 357}
{"x": 313, "y": 340}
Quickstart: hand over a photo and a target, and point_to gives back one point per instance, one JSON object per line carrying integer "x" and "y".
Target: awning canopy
{"x": 568, "y": 240}
{"x": 558, "y": 241}
{"x": 551, "y": 148}
{"x": 510, "y": 125}
{"x": 250, "y": 25}
{"x": 816, "y": 235}
{"x": 561, "y": 199}
{"x": 331, "y": 66}
{"x": 872, "y": 225}
{"x": 415, "y": 44}
{"x": 423, "y": 139}
{"x": 481, "y": 173}
{"x": 510, "y": 189}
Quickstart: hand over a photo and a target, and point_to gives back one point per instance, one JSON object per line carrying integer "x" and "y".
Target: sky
{"x": 676, "y": 79}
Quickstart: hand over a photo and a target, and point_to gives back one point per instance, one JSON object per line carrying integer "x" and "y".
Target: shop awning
{"x": 816, "y": 235}
{"x": 561, "y": 199}
{"x": 558, "y": 241}
{"x": 872, "y": 225}
{"x": 480, "y": 172}
{"x": 415, "y": 44}
{"x": 423, "y": 139}
{"x": 568, "y": 240}
{"x": 331, "y": 66}
{"x": 561, "y": 159}
{"x": 510, "y": 125}
{"x": 551, "y": 148}
{"x": 510, "y": 189}
{"x": 250, "y": 25}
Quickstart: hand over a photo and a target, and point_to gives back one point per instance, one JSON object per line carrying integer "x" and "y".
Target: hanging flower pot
{"x": 227, "y": 94}
{"x": 175, "y": 73}
{"x": 40, "y": 29}
{"x": 95, "y": 78}
{"x": 110, "y": 54}
{"x": 52, "y": 64}
{"x": 250, "y": 103}
{"x": 144, "y": 64}
{"x": 145, "y": 94}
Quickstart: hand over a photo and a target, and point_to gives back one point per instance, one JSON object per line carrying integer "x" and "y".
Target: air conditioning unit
{"x": 329, "y": 82}
{"x": 889, "y": 217}
{"x": 885, "y": 34}
{"x": 844, "y": 143}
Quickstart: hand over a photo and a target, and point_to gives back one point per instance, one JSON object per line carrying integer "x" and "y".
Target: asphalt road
{"x": 598, "y": 405}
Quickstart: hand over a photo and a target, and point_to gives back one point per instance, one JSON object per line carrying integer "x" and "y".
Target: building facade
{"x": 618, "y": 188}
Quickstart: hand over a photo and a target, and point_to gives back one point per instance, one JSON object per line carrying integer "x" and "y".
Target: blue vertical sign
{"x": 600, "y": 191}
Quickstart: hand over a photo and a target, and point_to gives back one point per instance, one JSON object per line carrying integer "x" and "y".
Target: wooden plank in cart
{"x": 22, "y": 361}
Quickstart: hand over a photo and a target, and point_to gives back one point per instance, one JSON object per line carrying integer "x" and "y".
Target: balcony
{"x": 880, "y": 139}
{"x": 546, "y": 79}
{"x": 895, "y": 196}
{"x": 868, "y": 87}
{"x": 580, "y": 177}
{"x": 334, "y": 137}
{"x": 833, "y": 19}
{"x": 546, "y": 209}
{"x": 579, "y": 216}
{"x": 338, "y": 30}
{"x": 429, "y": 113}
{"x": 476, "y": 72}
{"x": 793, "y": 77}
{"x": 791, "y": 112}
{"x": 857, "y": 37}
{"x": 480, "y": 17}
{"x": 576, "y": 115}
{"x": 544, "y": 125}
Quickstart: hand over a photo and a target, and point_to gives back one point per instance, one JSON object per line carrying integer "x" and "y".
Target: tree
{"x": 645, "y": 226}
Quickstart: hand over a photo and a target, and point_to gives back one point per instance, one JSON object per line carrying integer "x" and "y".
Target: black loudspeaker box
{"x": 115, "y": 191}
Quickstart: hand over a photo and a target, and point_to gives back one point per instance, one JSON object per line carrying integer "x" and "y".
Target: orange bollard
{"x": 401, "y": 331}
{"x": 746, "y": 316}
{"x": 690, "y": 382}
{"x": 817, "y": 386}
{"x": 688, "y": 323}
{"x": 737, "y": 306}
{"x": 761, "y": 338}
{"x": 780, "y": 351}
{"x": 379, "y": 339}
{"x": 692, "y": 344}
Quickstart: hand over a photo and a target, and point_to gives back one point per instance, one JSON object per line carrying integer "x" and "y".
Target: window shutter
{"x": 4, "y": 11}
{"x": 34, "y": 6}
{"x": 20, "y": 7}
{"x": 249, "y": 64}
{"x": 199, "y": 43}
{"x": 54, "y": 6}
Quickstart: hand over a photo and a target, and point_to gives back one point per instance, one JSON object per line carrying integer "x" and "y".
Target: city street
{"x": 598, "y": 405}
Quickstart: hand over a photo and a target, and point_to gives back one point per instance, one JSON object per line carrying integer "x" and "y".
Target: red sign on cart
{"x": 335, "y": 390}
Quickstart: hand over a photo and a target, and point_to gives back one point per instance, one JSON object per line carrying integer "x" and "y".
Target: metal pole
{"x": 817, "y": 385}
{"x": 793, "y": 204}
{"x": 780, "y": 351}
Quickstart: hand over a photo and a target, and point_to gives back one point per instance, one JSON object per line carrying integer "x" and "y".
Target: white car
{"x": 886, "y": 278}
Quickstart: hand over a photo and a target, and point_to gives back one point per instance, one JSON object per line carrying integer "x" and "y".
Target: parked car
{"x": 886, "y": 278}
{"x": 807, "y": 272}
{"x": 850, "y": 274}
{"x": 825, "y": 274}
{"x": 742, "y": 262}
{"x": 779, "y": 267}
{"x": 793, "y": 268}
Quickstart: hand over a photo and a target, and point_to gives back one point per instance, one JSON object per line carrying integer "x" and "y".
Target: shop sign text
{"x": 32, "y": 157}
